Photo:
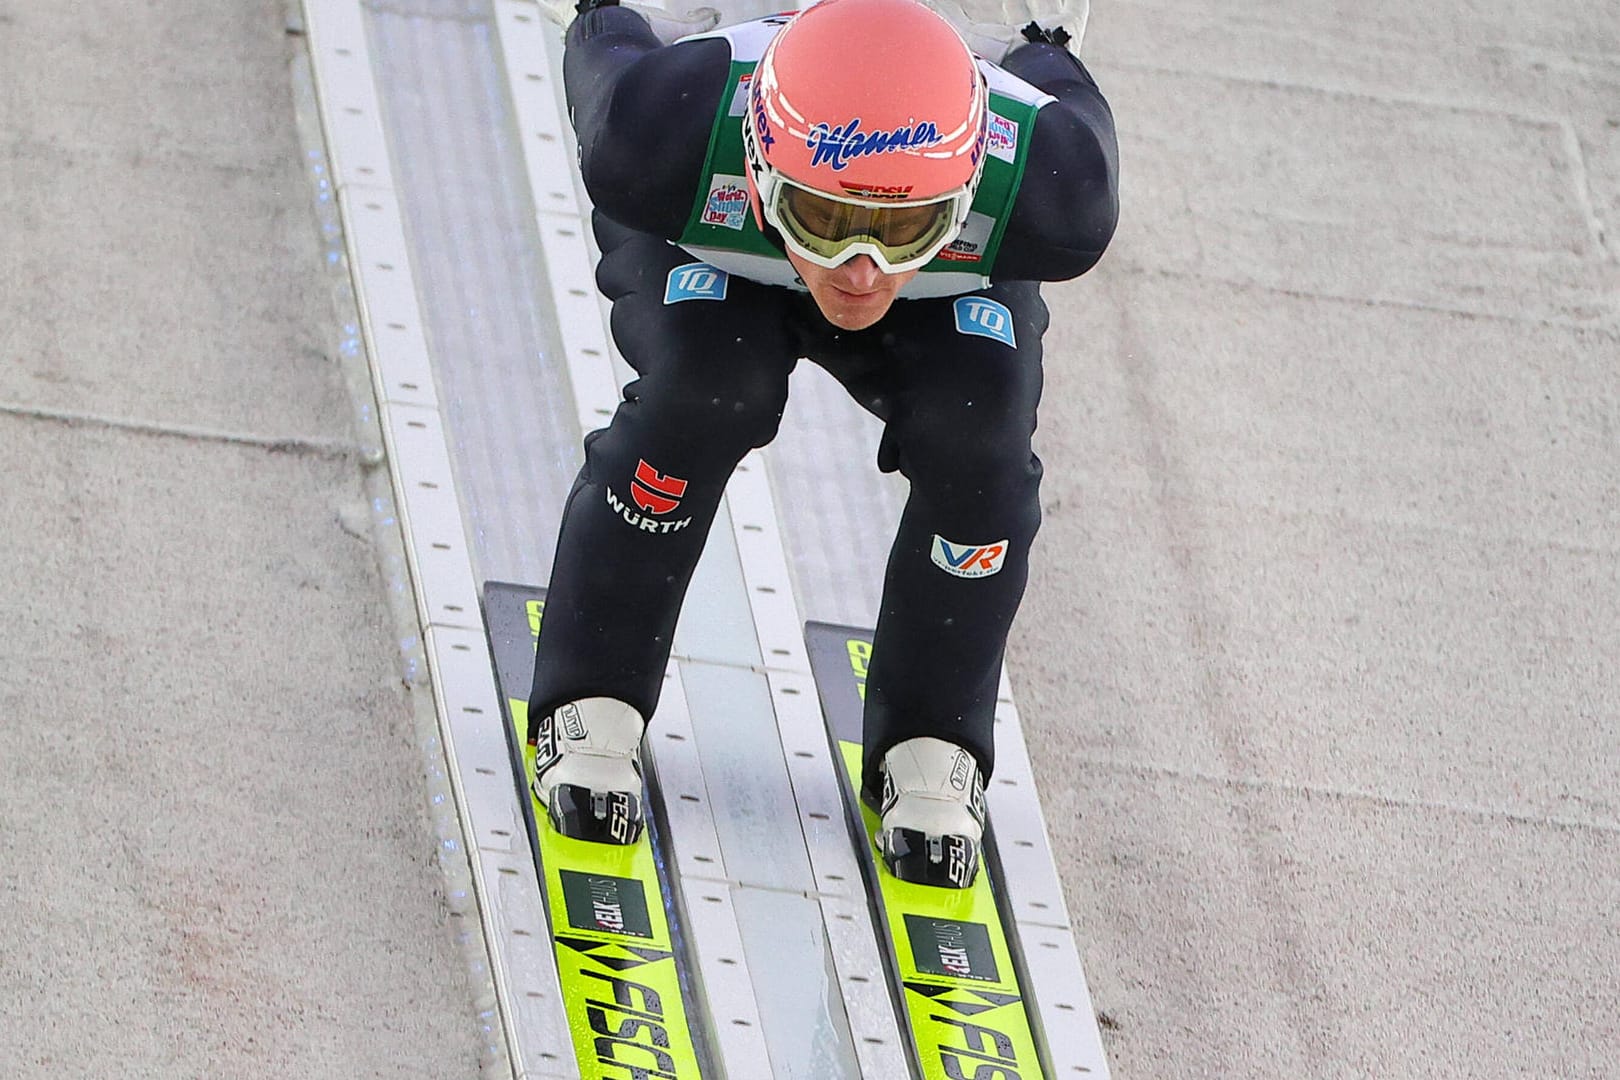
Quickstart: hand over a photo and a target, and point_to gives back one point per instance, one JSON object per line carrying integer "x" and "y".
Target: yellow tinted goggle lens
{"x": 828, "y": 226}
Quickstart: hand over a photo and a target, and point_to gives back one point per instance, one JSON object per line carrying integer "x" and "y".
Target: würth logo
{"x": 657, "y": 496}
{"x": 654, "y": 492}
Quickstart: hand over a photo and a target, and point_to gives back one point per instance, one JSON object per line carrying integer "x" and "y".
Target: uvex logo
{"x": 654, "y": 492}
{"x": 605, "y": 906}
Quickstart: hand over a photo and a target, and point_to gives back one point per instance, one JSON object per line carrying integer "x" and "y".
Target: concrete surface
{"x": 215, "y": 855}
{"x": 1320, "y": 652}
{"x": 1318, "y": 662}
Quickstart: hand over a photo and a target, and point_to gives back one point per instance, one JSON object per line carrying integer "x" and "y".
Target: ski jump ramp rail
{"x": 777, "y": 923}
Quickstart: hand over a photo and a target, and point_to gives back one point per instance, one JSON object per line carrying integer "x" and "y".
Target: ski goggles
{"x": 828, "y": 230}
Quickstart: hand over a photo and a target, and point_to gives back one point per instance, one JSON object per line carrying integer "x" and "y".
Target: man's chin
{"x": 850, "y": 313}
{"x": 854, "y": 322}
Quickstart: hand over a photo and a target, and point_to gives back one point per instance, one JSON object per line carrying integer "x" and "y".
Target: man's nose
{"x": 861, "y": 274}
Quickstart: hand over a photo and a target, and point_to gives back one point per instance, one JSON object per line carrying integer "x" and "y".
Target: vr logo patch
{"x": 696, "y": 281}
{"x": 968, "y": 560}
{"x": 985, "y": 318}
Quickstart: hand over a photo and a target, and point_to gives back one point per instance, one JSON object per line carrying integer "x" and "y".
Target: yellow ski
{"x": 949, "y": 958}
{"x": 615, "y": 959}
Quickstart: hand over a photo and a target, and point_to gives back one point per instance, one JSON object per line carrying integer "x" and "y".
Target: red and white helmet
{"x": 865, "y": 133}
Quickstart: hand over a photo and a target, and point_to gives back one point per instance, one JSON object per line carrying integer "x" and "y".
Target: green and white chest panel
{"x": 721, "y": 229}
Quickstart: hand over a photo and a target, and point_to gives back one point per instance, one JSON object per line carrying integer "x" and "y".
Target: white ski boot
{"x": 587, "y": 770}
{"x": 933, "y": 813}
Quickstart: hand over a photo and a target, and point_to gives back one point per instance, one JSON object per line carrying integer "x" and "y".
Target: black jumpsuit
{"x": 958, "y": 406}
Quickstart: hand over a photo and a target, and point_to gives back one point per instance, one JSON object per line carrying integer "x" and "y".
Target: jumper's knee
{"x": 732, "y": 404}
{"x": 971, "y": 452}
{"x": 710, "y": 373}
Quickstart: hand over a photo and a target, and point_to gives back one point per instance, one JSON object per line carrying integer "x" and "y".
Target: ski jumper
{"x": 708, "y": 312}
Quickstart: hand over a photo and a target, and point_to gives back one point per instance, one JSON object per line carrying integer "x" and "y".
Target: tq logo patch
{"x": 696, "y": 281}
{"x": 979, "y": 317}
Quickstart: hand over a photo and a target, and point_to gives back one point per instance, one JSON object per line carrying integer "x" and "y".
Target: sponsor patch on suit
{"x": 968, "y": 560}
{"x": 980, "y": 317}
{"x": 696, "y": 281}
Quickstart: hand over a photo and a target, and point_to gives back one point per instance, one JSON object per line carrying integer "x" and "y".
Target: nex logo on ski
{"x": 606, "y": 902}
{"x": 968, "y": 560}
{"x": 951, "y": 948}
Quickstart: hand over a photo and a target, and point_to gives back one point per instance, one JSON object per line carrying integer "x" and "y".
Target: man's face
{"x": 855, "y": 294}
